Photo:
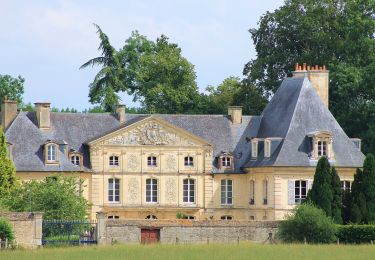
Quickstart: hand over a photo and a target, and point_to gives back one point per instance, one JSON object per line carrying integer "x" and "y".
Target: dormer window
{"x": 321, "y": 144}
{"x": 75, "y": 159}
{"x": 51, "y": 152}
{"x": 267, "y": 148}
{"x": 226, "y": 160}
{"x": 113, "y": 160}
{"x": 189, "y": 161}
{"x": 254, "y": 148}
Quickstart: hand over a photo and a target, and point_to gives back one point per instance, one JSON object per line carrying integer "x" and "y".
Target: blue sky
{"x": 47, "y": 41}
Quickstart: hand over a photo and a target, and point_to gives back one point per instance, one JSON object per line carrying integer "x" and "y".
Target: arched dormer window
{"x": 226, "y": 160}
{"x": 76, "y": 158}
{"x": 51, "y": 152}
{"x": 321, "y": 142}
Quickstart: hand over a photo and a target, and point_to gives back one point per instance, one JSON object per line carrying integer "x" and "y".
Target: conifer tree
{"x": 358, "y": 211}
{"x": 336, "y": 204}
{"x": 321, "y": 194}
{"x": 346, "y": 206}
{"x": 369, "y": 186}
{"x": 7, "y": 169}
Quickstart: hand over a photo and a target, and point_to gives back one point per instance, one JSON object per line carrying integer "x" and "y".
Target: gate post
{"x": 38, "y": 227}
{"x": 101, "y": 228}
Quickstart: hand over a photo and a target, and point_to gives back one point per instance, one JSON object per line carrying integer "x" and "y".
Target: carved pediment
{"x": 151, "y": 132}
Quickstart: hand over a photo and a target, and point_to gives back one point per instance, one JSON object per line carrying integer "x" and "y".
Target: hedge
{"x": 356, "y": 234}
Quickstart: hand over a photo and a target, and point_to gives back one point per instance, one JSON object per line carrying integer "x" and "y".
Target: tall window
{"x": 51, "y": 152}
{"x": 265, "y": 192}
{"x": 189, "y": 161}
{"x": 152, "y": 190}
{"x": 300, "y": 191}
{"x": 226, "y": 161}
{"x": 346, "y": 185}
{"x": 75, "y": 159}
{"x": 267, "y": 148}
{"x": 252, "y": 192}
{"x": 226, "y": 192}
{"x": 113, "y": 190}
{"x": 254, "y": 148}
{"x": 189, "y": 191}
{"x": 113, "y": 160}
{"x": 151, "y": 161}
{"x": 322, "y": 148}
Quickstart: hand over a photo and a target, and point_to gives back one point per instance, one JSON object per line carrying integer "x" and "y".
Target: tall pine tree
{"x": 369, "y": 186}
{"x": 7, "y": 170}
{"x": 358, "y": 211}
{"x": 336, "y": 204}
{"x": 321, "y": 194}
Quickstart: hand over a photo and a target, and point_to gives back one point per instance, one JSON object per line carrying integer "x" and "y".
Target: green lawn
{"x": 241, "y": 251}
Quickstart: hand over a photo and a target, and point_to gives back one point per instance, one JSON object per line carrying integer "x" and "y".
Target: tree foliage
{"x": 363, "y": 193}
{"x": 336, "y": 204}
{"x": 57, "y": 196}
{"x": 11, "y": 87}
{"x": 6, "y": 230}
{"x": 307, "y": 223}
{"x": 7, "y": 170}
{"x": 337, "y": 33}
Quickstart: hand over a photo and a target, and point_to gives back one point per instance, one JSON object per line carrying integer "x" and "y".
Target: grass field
{"x": 241, "y": 251}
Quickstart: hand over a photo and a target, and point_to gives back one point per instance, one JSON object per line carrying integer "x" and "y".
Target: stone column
{"x": 101, "y": 227}
{"x": 38, "y": 225}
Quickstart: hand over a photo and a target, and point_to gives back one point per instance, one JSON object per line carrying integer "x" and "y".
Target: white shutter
{"x": 291, "y": 199}
{"x": 309, "y": 184}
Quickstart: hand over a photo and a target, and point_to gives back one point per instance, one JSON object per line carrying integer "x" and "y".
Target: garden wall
{"x": 187, "y": 231}
{"x": 27, "y": 227}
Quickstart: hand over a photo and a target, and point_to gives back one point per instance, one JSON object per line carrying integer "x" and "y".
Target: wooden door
{"x": 149, "y": 236}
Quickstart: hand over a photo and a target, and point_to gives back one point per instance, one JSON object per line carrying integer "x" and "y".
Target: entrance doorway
{"x": 149, "y": 236}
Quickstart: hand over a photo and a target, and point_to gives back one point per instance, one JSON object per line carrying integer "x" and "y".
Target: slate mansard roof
{"x": 294, "y": 111}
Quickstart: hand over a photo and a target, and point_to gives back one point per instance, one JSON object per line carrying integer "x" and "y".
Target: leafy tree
{"x": 309, "y": 224}
{"x": 321, "y": 194}
{"x": 7, "y": 170}
{"x": 11, "y": 87}
{"x": 336, "y": 204}
{"x": 107, "y": 83}
{"x": 57, "y": 196}
{"x": 27, "y": 107}
{"x": 339, "y": 34}
{"x": 6, "y": 230}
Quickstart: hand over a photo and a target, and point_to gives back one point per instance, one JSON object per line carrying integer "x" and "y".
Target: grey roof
{"x": 294, "y": 111}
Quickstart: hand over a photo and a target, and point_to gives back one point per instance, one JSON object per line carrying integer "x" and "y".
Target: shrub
{"x": 6, "y": 230}
{"x": 356, "y": 234}
{"x": 309, "y": 224}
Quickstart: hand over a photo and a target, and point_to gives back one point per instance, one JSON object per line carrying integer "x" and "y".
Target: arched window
{"x": 75, "y": 159}
{"x": 51, "y": 153}
{"x": 113, "y": 160}
{"x": 252, "y": 192}
{"x": 226, "y": 192}
{"x": 189, "y": 161}
{"x": 152, "y": 190}
{"x": 189, "y": 191}
{"x": 151, "y": 217}
{"x": 114, "y": 190}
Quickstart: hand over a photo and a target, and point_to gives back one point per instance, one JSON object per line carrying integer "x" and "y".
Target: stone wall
{"x": 189, "y": 231}
{"x": 27, "y": 227}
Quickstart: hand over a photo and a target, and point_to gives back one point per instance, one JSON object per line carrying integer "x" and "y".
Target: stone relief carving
{"x": 170, "y": 190}
{"x": 149, "y": 133}
{"x": 133, "y": 162}
{"x": 171, "y": 163}
{"x": 133, "y": 190}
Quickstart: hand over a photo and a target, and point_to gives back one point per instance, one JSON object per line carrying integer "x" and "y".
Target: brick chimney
{"x": 120, "y": 113}
{"x": 235, "y": 113}
{"x": 319, "y": 78}
{"x": 43, "y": 115}
{"x": 8, "y": 112}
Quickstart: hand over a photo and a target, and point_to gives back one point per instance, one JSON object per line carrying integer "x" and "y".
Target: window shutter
{"x": 309, "y": 184}
{"x": 291, "y": 200}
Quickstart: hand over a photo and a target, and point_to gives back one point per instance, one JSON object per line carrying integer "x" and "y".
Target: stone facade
{"x": 27, "y": 227}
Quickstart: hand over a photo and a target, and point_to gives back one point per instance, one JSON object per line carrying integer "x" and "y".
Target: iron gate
{"x": 69, "y": 232}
